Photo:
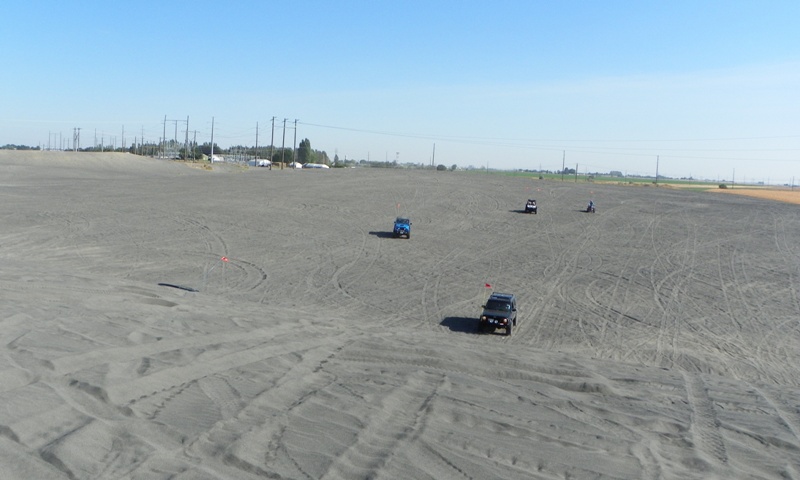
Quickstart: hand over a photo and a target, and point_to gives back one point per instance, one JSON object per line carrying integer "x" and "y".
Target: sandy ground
{"x": 657, "y": 338}
{"x": 788, "y": 195}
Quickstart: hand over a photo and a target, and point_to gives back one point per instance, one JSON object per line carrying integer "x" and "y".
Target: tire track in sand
{"x": 170, "y": 378}
{"x": 704, "y": 423}
{"x": 401, "y": 419}
{"x": 786, "y": 412}
{"x": 254, "y": 435}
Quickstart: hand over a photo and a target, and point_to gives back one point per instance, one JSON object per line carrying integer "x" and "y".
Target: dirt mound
{"x": 92, "y": 162}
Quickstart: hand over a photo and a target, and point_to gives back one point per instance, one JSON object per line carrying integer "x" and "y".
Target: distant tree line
{"x": 241, "y": 153}
{"x": 10, "y": 146}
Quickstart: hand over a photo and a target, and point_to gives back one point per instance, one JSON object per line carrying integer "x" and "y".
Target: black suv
{"x": 500, "y": 311}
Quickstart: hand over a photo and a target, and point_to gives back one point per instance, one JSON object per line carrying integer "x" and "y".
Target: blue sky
{"x": 709, "y": 89}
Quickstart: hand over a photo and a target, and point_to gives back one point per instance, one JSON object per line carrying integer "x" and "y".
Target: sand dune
{"x": 657, "y": 338}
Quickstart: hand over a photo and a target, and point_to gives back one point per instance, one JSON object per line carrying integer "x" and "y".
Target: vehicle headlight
{"x": 483, "y": 317}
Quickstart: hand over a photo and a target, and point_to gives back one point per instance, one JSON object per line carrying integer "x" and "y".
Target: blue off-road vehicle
{"x": 402, "y": 227}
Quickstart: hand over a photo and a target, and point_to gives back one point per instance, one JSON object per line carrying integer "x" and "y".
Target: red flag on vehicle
{"x": 224, "y": 259}
{"x": 487, "y": 285}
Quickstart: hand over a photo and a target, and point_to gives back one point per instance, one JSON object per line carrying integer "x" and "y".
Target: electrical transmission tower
{"x": 172, "y": 146}
{"x": 76, "y": 139}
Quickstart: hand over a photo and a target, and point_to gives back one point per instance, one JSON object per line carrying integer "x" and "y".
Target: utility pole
{"x": 657, "y": 157}
{"x": 212, "y": 140}
{"x": 164, "y": 139}
{"x": 563, "y": 166}
{"x": 433, "y": 157}
{"x": 294, "y": 145}
{"x": 283, "y": 144}
{"x": 186, "y": 141}
{"x": 576, "y": 173}
{"x": 272, "y": 143}
{"x": 255, "y": 163}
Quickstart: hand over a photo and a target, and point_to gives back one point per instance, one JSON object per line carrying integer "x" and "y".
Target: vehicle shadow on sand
{"x": 382, "y": 234}
{"x": 461, "y": 324}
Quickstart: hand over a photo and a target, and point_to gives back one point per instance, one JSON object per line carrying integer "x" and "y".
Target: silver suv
{"x": 500, "y": 311}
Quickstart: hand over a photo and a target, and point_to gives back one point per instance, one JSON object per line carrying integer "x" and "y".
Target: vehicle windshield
{"x": 401, "y": 220}
{"x": 498, "y": 305}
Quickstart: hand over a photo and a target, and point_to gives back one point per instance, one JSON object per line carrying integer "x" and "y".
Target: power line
{"x": 501, "y": 139}
{"x": 595, "y": 149}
